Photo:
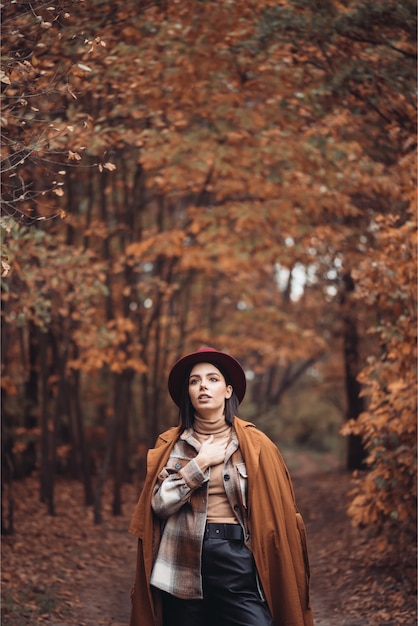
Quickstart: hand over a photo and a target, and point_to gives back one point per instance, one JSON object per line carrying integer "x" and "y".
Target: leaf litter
{"x": 67, "y": 570}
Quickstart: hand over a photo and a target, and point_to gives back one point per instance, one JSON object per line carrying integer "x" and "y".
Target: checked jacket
{"x": 180, "y": 499}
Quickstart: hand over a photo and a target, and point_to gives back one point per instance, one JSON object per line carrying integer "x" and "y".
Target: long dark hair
{"x": 187, "y": 411}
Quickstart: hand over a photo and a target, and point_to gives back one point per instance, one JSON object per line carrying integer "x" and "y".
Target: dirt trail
{"x": 105, "y": 597}
{"x": 346, "y": 591}
{"x": 352, "y": 583}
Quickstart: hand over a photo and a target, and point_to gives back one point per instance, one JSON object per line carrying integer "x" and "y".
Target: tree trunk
{"x": 80, "y": 440}
{"x": 31, "y": 397}
{"x": 355, "y": 403}
{"x": 110, "y": 447}
{"x": 59, "y": 361}
{"x": 121, "y": 408}
{"x": 7, "y": 469}
{"x": 44, "y": 443}
{"x": 7, "y": 487}
{"x": 113, "y": 452}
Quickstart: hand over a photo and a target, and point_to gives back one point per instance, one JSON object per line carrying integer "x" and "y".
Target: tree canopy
{"x": 225, "y": 173}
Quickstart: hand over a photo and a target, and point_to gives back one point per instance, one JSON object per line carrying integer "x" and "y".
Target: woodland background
{"x": 234, "y": 174}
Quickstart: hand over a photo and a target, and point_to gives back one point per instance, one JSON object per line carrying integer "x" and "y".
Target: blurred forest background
{"x": 234, "y": 174}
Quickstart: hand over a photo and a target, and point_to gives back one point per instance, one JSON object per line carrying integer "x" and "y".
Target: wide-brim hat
{"x": 229, "y": 366}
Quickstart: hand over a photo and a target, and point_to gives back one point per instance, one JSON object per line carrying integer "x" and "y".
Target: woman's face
{"x": 208, "y": 389}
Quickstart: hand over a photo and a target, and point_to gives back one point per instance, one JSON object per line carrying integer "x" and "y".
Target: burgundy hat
{"x": 229, "y": 366}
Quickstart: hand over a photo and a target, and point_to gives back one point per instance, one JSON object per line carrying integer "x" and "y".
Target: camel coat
{"x": 278, "y": 538}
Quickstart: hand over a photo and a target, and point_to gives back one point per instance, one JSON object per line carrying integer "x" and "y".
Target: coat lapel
{"x": 142, "y": 518}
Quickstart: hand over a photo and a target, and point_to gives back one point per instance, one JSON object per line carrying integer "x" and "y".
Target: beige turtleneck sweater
{"x": 219, "y": 509}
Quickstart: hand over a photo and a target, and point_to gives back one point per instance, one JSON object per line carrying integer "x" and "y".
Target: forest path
{"x": 66, "y": 570}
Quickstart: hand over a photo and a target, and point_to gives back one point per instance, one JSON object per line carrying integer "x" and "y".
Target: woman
{"x": 220, "y": 540}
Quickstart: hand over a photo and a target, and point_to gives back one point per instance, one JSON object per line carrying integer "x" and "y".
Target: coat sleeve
{"x": 295, "y": 544}
{"x": 277, "y": 533}
{"x": 146, "y": 601}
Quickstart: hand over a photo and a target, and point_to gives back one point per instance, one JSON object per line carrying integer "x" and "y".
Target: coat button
{"x": 227, "y": 477}
{"x": 236, "y": 507}
{"x": 178, "y": 466}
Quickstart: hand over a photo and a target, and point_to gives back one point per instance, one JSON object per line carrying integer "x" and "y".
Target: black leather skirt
{"x": 231, "y": 594}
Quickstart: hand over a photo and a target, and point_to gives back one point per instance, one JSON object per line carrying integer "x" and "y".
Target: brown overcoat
{"x": 278, "y": 539}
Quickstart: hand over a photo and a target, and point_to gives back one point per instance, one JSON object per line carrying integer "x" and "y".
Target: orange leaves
{"x": 53, "y": 286}
{"x": 389, "y": 427}
{"x": 167, "y": 244}
{"x": 399, "y": 385}
{"x": 9, "y": 385}
{"x": 97, "y": 228}
{"x": 236, "y": 156}
{"x": 113, "y": 345}
{"x": 50, "y": 577}
{"x": 380, "y": 496}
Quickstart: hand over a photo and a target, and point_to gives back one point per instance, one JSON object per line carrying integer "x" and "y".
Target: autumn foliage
{"x": 187, "y": 173}
{"x": 387, "y": 493}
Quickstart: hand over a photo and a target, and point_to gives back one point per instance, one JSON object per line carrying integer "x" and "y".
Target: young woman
{"x": 220, "y": 540}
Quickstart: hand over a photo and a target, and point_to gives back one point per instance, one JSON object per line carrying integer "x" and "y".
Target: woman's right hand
{"x": 211, "y": 453}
